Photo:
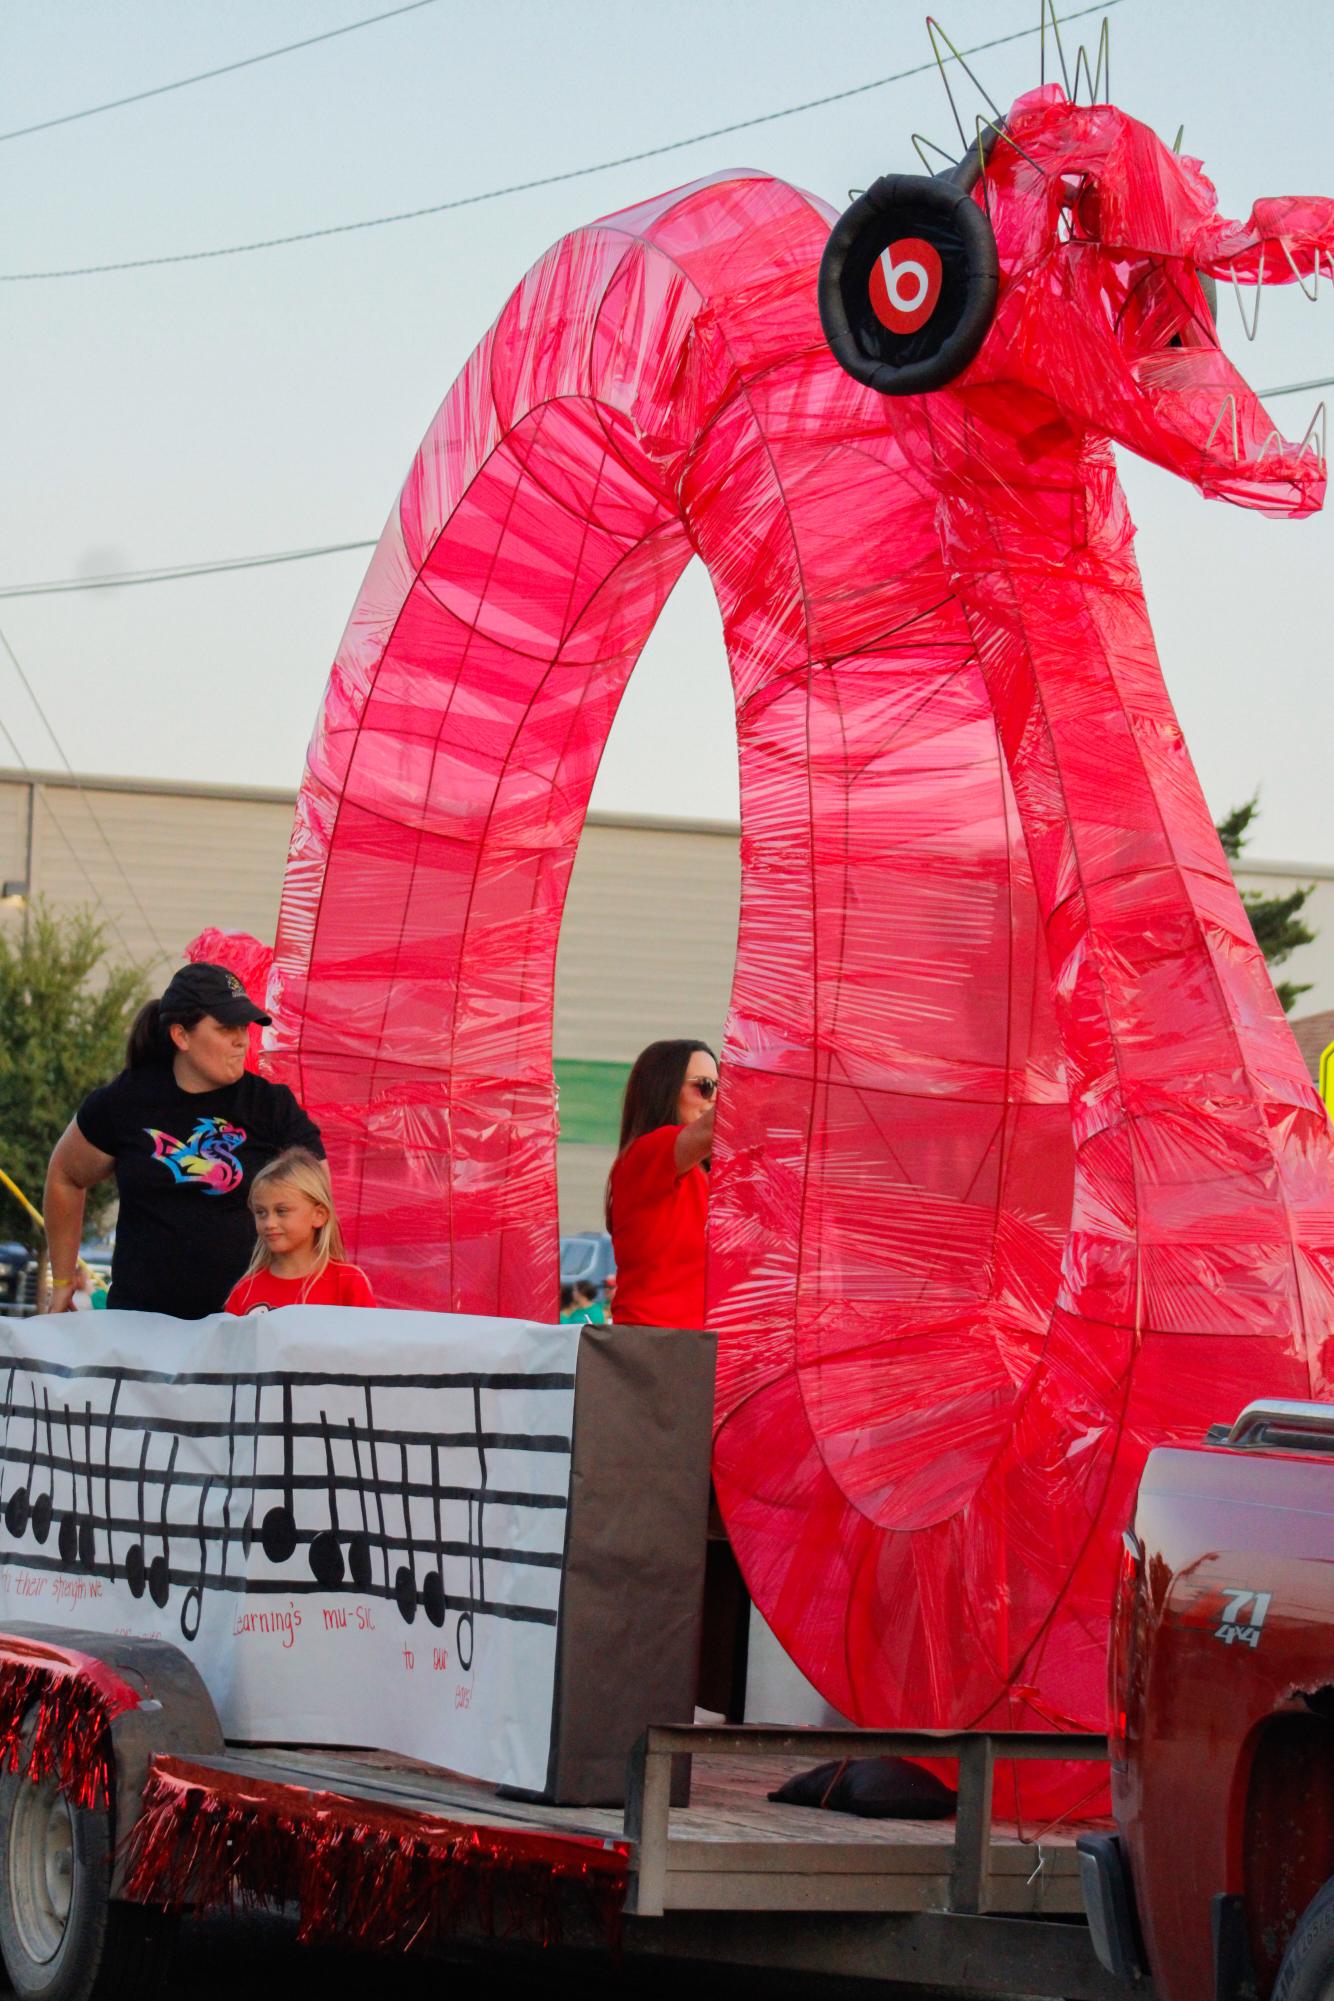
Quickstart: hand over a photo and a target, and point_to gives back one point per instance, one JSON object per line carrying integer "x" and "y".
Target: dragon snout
{"x": 1288, "y": 240}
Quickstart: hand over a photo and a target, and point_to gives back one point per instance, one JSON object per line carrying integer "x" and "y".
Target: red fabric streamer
{"x": 362, "y": 1873}
{"x": 76, "y": 1698}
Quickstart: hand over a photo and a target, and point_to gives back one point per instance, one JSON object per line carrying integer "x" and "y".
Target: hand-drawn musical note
{"x": 405, "y": 1577}
{"x": 433, "y": 1584}
{"x": 465, "y": 1617}
{"x": 227, "y": 1497}
{"x": 375, "y": 1483}
{"x": 67, "y": 1536}
{"x": 326, "y": 1547}
{"x": 42, "y": 1505}
{"x": 87, "y": 1541}
{"x": 193, "y": 1601}
{"x": 9, "y": 1405}
{"x": 136, "y": 1568}
{"x": 477, "y": 1593}
{"x": 359, "y": 1548}
{"x": 277, "y": 1531}
{"x": 16, "y": 1507}
{"x": 159, "y": 1570}
{"x": 106, "y": 1473}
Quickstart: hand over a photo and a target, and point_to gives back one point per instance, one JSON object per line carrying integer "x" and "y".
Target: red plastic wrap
{"x": 1018, "y": 1167}
{"x": 250, "y": 961}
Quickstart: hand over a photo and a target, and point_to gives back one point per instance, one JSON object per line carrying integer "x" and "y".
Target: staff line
{"x": 192, "y": 1531}
{"x": 189, "y": 1427}
{"x": 298, "y": 1378}
{"x": 270, "y": 1587}
{"x": 263, "y": 1483}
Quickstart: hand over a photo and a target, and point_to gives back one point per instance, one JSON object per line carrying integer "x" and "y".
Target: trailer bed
{"x": 731, "y": 1849}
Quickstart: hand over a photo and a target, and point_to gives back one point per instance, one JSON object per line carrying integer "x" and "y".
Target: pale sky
{"x": 273, "y": 401}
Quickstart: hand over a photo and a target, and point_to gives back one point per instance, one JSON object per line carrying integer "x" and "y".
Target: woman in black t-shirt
{"x": 183, "y": 1128}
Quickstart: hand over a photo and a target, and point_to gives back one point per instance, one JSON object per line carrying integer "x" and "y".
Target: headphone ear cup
{"x": 908, "y": 284}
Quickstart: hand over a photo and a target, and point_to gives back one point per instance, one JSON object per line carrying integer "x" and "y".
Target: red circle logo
{"x": 905, "y": 284}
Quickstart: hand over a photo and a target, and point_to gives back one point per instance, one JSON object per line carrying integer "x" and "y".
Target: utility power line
{"x": 172, "y": 572}
{"x": 1295, "y": 388}
{"x": 206, "y": 75}
{"x": 542, "y": 180}
{"x": 178, "y": 572}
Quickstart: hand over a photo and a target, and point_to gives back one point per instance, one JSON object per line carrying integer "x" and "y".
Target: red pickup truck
{"x": 1220, "y": 1880}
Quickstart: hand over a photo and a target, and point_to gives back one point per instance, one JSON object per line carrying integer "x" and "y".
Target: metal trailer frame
{"x": 969, "y": 1943}
{"x": 733, "y": 1880}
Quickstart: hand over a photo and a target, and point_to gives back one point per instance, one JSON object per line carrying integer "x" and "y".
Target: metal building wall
{"x": 646, "y": 950}
{"x": 191, "y": 854}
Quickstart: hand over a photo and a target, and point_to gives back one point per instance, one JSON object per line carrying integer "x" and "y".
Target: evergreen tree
{"x": 65, "y": 1008}
{"x": 1275, "y": 920}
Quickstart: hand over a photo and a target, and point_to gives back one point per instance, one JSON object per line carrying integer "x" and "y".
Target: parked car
{"x": 13, "y": 1263}
{"x": 587, "y": 1258}
{"x": 95, "y": 1255}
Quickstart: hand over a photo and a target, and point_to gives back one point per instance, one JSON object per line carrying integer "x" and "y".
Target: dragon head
{"x": 1062, "y": 280}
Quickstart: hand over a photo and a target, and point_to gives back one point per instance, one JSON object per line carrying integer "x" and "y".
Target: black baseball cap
{"x": 206, "y": 989}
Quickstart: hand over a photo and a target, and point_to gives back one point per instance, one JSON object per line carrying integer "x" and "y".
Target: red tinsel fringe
{"x": 362, "y": 1873}
{"x": 75, "y": 1698}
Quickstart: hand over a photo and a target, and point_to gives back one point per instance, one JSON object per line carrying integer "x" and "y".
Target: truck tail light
{"x": 1121, "y": 1651}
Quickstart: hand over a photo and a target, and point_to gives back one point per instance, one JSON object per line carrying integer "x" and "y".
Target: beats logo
{"x": 905, "y": 284}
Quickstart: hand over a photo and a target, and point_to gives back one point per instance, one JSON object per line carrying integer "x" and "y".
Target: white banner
{"x": 352, "y": 1521}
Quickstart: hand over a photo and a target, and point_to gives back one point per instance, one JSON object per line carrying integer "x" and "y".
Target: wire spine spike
{"x": 1252, "y": 326}
{"x": 934, "y": 29}
{"x": 921, "y": 145}
{"x": 1049, "y": 11}
{"x": 1228, "y": 407}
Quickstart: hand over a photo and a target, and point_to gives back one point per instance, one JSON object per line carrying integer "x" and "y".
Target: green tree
{"x": 65, "y": 1007}
{"x": 1275, "y": 920}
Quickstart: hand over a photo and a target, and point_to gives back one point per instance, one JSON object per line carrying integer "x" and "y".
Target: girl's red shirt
{"x": 337, "y": 1285}
{"x": 657, "y": 1232}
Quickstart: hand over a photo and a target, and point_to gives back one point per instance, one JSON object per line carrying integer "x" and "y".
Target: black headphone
{"x": 909, "y": 278}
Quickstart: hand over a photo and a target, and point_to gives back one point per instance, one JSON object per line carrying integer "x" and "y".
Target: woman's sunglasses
{"x": 706, "y": 1086}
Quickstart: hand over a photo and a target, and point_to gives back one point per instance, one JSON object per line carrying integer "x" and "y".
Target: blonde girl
{"x": 298, "y": 1258}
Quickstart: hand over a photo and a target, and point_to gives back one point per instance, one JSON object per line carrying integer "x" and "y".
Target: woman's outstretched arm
{"x": 76, "y": 1166}
{"x": 694, "y": 1142}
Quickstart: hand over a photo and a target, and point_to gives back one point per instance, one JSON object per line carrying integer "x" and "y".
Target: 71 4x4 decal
{"x": 1239, "y": 1623}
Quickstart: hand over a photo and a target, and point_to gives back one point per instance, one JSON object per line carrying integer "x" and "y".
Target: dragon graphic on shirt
{"x": 207, "y": 1159}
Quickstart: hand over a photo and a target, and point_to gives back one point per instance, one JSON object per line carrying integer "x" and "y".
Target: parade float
{"x": 1019, "y": 1171}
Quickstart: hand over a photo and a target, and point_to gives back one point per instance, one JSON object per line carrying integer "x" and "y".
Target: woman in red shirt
{"x": 299, "y": 1258}
{"x": 658, "y": 1189}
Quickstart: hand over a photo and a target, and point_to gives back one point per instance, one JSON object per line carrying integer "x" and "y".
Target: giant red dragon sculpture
{"x": 1018, "y": 1170}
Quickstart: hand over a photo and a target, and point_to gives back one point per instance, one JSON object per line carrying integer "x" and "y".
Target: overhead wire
{"x": 172, "y": 572}
{"x": 206, "y": 75}
{"x": 89, "y": 808}
{"x": 178, "y": 572}
{"x": 539, "y": 181}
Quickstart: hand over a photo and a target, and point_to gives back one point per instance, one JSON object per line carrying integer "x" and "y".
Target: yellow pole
{"x": 19, "y": 1196}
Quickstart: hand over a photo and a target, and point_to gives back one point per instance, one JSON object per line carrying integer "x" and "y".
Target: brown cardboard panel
{"x": 634, "y": 1565}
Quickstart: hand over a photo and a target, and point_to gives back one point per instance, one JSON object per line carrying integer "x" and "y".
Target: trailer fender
{"x": 148, "y": 1695}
